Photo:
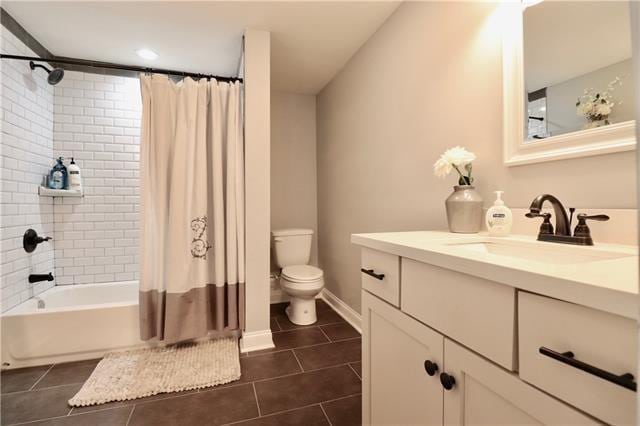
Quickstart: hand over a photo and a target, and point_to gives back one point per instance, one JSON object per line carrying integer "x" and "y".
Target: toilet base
{"x": 302, "y": 311}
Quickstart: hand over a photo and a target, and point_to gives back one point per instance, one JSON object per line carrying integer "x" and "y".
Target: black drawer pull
{"x": 430, "y": 367}
{"x": 626, "y": 380}
{"x": 372, "y": 274}
{"x": 447, "y": 380}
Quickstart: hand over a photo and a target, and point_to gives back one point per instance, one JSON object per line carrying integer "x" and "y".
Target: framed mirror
{"x": 568, "y": 80}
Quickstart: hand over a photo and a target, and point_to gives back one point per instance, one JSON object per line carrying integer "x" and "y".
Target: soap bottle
{"x": 75, "y": 181}
{"x": 58, "y": 175}
{"x": 499, "y": 218}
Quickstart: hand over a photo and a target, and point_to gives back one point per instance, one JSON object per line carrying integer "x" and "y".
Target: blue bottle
{"x": 58, "y": 175}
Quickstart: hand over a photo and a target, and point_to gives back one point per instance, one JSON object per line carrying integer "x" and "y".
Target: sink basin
{"x": 539, "y": 252}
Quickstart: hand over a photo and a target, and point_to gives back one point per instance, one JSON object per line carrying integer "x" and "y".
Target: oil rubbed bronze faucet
{"x": 562, "y": 234}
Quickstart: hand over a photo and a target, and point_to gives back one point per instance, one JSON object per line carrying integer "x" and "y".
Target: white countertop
{"x": 609, "y": 285}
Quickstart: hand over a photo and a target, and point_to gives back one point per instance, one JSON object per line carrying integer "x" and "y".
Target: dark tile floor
{"x": 312, "y": 377}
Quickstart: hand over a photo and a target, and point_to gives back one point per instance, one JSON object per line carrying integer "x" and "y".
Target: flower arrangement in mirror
{"x": 596, "y": 106}
{"x": 458, "y": 159}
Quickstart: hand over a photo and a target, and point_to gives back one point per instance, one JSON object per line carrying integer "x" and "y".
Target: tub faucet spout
{"x": 36, "y": 278}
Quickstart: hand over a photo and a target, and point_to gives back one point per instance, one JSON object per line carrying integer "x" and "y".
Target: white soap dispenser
{"x": 75, "y": 179}
{"x": 499, "y": 218}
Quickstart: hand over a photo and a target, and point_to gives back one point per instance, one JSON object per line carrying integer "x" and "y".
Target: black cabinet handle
{"x": 372, "y": 274}
{"x": 448, "y": 381}
{"x": 430, "y": 367}
{"x": 625, "y": 380}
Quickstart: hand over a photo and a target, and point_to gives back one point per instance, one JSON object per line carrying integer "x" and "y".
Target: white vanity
{"x": 461, "y": 329}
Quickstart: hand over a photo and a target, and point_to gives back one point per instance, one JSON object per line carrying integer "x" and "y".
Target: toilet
{"x": 302, "y": 282}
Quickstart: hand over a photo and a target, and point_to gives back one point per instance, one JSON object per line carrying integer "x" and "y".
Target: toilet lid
{"x": 302, "y": 273}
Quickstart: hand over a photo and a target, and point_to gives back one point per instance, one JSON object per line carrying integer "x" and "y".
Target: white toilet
{"x": 302, "y": 282}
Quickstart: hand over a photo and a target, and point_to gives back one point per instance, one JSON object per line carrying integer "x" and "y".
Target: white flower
{"x": 603, "y": 109}
{"x": 584, "y": 109}
{"x": 442, "y": 168}
{"x": 458, "y": 156}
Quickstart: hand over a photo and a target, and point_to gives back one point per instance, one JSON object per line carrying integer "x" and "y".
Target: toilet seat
{"x": 302, "y": 273}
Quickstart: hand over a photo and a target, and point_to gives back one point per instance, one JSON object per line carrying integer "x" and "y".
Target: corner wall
{"x": 257, "y": 86}
{"x": 293, "y": 164}
{"x": 429, "y": 79}
{"x": 26, "y": 153}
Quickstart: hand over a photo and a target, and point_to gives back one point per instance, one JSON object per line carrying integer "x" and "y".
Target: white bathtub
{"x": 78, "y": 322}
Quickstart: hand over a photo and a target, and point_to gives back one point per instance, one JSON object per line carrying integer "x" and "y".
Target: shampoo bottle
{"x": 499, "y": 218}
{"x": 75, "y": 180}
{"x": 58, "y": 175}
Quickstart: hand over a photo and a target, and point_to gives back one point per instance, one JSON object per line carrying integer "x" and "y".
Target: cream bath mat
{"x": 121, "y": 376}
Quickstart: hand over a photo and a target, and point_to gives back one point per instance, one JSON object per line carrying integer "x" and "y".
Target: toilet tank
{"x": 292, "y": 246}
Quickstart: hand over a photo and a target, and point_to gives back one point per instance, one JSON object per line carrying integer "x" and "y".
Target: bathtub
{"x": 77, "y": 322}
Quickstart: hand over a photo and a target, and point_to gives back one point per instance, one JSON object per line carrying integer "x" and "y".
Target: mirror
{"x": 577, "y": 66}
{"x": 569, "y": 82}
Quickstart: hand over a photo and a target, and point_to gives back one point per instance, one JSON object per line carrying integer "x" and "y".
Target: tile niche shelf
{"x": 48, "y": 192}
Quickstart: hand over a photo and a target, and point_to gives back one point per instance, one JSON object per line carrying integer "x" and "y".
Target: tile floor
{"x": 312, "y": 377}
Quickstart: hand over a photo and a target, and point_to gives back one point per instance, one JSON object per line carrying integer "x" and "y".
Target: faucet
{"x": 562, "y": 234}
{"x": 563, "y": 225}
{"x": 35, "y": 278}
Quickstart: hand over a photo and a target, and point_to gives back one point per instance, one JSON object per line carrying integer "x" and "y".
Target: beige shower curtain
{"x": 192, "y": 202}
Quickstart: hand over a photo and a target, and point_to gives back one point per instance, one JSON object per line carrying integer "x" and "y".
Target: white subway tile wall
{"x": 26, "y": 153}
{"x": 97, "y": 121}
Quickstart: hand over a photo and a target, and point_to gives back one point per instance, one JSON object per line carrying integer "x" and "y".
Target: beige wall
{"x": 293, "y": 164}
{"x": 429, "y": 79}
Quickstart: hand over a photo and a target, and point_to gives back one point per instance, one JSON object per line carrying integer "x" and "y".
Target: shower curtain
{"x": 192, "y": 209}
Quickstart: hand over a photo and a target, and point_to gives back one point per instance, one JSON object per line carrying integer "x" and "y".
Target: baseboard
{"x": 256, "y": 340}
{"x": 344, "y": 310}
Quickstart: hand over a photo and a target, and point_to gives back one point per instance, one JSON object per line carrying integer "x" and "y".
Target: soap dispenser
{"x": 75, "y": 179}
{"x": 499, "y": 218}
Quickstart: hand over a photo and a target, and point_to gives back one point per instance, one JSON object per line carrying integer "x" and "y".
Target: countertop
{"x": 610, "y": 285}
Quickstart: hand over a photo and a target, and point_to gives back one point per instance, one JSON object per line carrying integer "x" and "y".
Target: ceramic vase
{"x": 464, "y": 210}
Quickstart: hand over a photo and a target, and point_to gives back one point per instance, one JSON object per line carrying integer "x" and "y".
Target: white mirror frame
{"x": 616, "y": 137}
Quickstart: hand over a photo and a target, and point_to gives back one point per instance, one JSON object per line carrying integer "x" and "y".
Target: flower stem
{"x": 463, "y": 179}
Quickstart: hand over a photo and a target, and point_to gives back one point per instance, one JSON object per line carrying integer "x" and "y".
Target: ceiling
{"x": 310, "y": 41}
{"x": 566, "y": 39}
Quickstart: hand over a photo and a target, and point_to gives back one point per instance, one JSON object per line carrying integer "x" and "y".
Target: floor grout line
{"x": 249, "y": 355}
{"x": 325, "y": 415}
{"x": 255, "y": 394}
{"x": 61, "y": 417}
{"x": 133, "y": 407}
{"x": 354, "y": 370}
{"x": 41, "y": 377}
{"x": 42, "y": 389}
{"x": 296, "y": 357}
{"x": 275, "y": 413}
{"x": 325, "y": 334}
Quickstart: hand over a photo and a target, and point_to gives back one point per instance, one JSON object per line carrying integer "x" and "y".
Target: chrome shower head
{"x": 55, "y": 75}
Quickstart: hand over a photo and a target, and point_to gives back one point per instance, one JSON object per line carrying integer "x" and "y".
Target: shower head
{"x": 55, "y": 75}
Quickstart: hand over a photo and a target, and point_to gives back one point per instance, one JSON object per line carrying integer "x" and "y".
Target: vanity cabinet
{"x": 443, "y": 347}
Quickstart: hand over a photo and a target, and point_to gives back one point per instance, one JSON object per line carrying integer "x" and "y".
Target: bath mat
{"x": 122, "y": 376}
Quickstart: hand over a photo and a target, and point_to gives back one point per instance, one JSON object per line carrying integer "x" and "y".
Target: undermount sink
{"x": 550, "y": 253}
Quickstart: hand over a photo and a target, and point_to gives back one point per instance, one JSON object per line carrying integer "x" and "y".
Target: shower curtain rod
{"x": 109, "y": 65}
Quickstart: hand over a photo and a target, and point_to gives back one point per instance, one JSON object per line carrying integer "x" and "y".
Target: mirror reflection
{"x": 577, "y": 66}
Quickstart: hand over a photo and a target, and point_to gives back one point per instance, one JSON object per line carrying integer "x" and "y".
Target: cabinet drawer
{"x": 476, "y": 312}
{"x": 485, "y": 394}
{"x": 383, "y": 275}
{"x": 549, "y": 329}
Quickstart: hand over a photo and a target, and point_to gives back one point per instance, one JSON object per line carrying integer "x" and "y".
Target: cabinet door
{"x": 397, "y": 389}
{"x": 485, "y": 394}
